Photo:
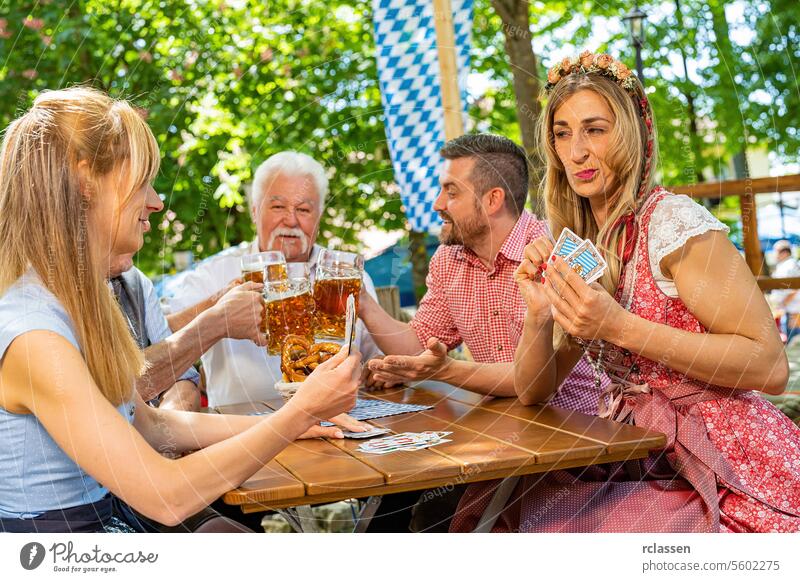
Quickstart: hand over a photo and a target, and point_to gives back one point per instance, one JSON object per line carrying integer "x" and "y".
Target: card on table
{"x": 407, "y": 441}
{"x": 566, "y": 244}
{"x": 367, "y": 409}
{"x": 587, "y": 261}
{"x": 375, "y": 431}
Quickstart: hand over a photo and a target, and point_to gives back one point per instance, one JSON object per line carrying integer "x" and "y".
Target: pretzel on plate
{"x": 299, "y": 357}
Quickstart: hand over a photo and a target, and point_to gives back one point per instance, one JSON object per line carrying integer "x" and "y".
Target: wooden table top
{"x": 491, "y": 438}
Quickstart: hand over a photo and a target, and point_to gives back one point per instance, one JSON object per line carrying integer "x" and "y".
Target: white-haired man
{"x": 286, "y": 204}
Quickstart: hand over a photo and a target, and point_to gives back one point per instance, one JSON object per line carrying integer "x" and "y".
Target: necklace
{"x": 596, "y": 363}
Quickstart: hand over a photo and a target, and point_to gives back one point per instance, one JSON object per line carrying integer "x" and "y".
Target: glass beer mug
{"x": 271, "y": 264}
{"x": 261, "y": 267}
{"x": 290, "y": 307}
{"x": 338, "y": 275}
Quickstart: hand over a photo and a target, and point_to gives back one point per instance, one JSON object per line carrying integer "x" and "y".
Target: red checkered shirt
{"x": 467, "y": 302}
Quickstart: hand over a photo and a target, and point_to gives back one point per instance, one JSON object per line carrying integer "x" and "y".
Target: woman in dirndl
{"x": 676, "y": 321}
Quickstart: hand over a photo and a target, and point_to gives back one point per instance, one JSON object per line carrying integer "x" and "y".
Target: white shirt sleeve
{"x": 209, "y": 277}
{"x": 366, "y": 345}
{"x": 675, "y": 220}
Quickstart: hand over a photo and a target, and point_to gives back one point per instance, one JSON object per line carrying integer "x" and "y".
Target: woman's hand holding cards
{"x": 584, "y": 311}
{"x": 331, "y": 389}
{"x": 529, "y": 278}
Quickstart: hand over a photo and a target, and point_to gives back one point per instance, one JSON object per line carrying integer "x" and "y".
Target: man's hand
{"x": 425, "y": 366}
{"x": 366, "y": 304}
{"x": 240, "y": 310}
{"x": 218, "y": 295}
{"x": 370, "y": 383}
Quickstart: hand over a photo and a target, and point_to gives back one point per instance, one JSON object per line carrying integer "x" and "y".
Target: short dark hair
{"x": 499, "y": 163}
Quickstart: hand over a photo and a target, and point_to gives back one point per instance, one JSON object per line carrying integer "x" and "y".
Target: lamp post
{"x": 635, "y": 21}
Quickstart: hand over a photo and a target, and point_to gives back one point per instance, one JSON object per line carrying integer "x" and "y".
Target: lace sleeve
{"x": 675, "y": 220}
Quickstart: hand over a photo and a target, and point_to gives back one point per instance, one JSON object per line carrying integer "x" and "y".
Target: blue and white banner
{"x": 409, "y": 75}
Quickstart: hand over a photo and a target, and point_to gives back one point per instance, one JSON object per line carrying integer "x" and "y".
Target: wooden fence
{"x": 747, "y": 190}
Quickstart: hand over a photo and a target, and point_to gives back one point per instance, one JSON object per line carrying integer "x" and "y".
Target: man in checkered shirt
{"x": 472, "y": 297}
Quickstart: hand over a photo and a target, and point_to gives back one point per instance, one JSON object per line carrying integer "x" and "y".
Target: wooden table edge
{"x": 660, "y": 439}
{"x": 250, "y": 502}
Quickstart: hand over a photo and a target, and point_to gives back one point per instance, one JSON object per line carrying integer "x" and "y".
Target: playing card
{"x": 566, "y": 244}
{"x": 375, "y": 431}
{"x": 408, "y": 441}
{"x": 367, "y": 409}
{"x": 350, "y": 323}
{"x": 587, "y": 261}
{"x": 426, "y": 445}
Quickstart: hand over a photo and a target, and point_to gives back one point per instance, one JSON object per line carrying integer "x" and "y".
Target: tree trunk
{"x": 524, "y": 67}
{"x": 695, "y": 139}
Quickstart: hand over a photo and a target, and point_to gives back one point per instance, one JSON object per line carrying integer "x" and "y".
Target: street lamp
{"x": 635, "y": 21}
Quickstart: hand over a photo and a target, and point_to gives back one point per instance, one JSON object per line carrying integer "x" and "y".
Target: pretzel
{"x": 299, "y": 358}
{"x": 294, "y": 347}
{"x": 308, "y": 360}
{"x": 326, "y": 350}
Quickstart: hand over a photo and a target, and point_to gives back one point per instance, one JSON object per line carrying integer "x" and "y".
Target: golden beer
{"x": 330, "y": 297}
{"x": 290, "y": 315}
{"x": 255, "y": 276}
{"x": 275, "y": 272}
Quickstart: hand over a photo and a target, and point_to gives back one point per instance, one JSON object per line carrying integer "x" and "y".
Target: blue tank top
{"x": 35, "y": 474}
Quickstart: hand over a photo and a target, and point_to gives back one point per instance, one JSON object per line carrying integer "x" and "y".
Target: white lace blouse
{"x": 675, "y": 220}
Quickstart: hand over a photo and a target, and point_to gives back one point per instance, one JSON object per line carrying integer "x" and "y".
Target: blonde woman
{"x": 677, "y": 322}
{"x": 77, "y": 445}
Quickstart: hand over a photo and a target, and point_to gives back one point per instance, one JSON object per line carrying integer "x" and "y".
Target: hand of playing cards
{"x": 407, "y": 441}
{"x": 580, "y": 255}
{"x": 350, "y": 324}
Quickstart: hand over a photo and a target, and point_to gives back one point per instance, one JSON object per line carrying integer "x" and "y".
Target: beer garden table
{"x": 492, "y": 438}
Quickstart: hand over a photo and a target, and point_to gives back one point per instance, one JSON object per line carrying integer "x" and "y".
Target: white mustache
{"x": 289, "y": 232}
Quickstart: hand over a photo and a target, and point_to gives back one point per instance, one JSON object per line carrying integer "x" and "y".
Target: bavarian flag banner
{"x": 409, "y": 75}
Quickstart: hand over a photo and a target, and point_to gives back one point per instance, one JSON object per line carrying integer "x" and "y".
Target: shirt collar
{"x": 527, "y": 228}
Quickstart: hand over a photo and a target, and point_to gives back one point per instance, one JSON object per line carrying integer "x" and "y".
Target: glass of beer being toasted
{"x": 271, "y": 264}
{"x": 290, "y": 307}
{"x": 338, "y": 275}
{"x": 261, "y": 267}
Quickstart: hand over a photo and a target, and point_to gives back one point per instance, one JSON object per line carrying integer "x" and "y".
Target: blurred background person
{"x": 787, "y": 300}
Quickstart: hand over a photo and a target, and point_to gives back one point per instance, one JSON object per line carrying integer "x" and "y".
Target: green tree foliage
{"x": 741, "y": 77}
{"x": 226, "y": 83}
{"x": 223, "y": 85}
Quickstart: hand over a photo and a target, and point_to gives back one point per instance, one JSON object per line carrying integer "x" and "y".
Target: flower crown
{"x": 588, "y": 62}
{"x": 606, "y": 66}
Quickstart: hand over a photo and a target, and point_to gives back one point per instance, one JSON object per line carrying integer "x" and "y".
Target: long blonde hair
{"x": 44, "y": 215}
{"x": 626, "y": 158}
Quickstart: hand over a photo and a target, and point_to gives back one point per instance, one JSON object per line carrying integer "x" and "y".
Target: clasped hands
{"x": 554, "y": 292}
{"x": 395, "y": 370}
